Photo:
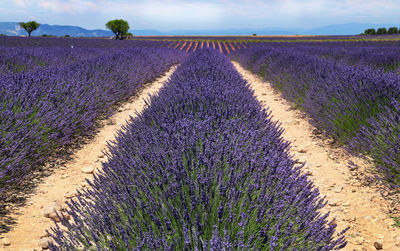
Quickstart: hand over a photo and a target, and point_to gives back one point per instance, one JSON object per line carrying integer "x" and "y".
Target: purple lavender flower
{"x": 202, "y": 167}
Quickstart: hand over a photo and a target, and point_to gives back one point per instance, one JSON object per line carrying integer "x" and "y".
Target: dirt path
{"x": 31, "y": 223}
{"x": 351, "y": 203}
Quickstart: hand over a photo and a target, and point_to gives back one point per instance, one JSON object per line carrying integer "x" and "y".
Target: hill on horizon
{"x": 13, "y": 29}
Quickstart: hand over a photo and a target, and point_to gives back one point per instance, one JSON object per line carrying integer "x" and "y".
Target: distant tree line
{"x": 46, "y": 35}
{"x": 382, "y": 31}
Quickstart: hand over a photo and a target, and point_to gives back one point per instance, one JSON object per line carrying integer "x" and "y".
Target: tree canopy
{"x": 393, "y": 30}
{"x": 371, "y": 31}
{"x": 381, "y": 31}
{"x": 29, "y": 26}
{"x": 118, "y": 26}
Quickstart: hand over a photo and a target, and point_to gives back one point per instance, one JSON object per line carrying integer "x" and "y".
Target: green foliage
{"x": 67, "y": 35}
{"x": 393, "y": 30}
{"x": 119, "y": 27}
{"x": 381, "y": 31}
{"x": 370, "y": 31}
{"x": 348, "y": 123}
{"x": 29, "y": 26}
{"x": 126, "y": 35}
{"x": 254, "y": 35}
{"x": 396, "y": 221}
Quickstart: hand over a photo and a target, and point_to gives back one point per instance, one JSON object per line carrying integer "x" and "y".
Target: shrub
{"x": 46, "y": 108}
{"x": 353, "y": 104}
{"x": 203, "y": 167}
{"x": 381, "y": 31}
{"x": 371, "y": 31}
{"x": 393, "y": 30}
{"x": 380, "y": 138}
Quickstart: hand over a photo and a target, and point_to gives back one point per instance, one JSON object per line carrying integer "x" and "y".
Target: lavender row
{"x": 22, "y": 59}
{"x": 77, "y": 42}
{"x": 377, "y": 56}
{"x": 203, "y": 167}
{"x": 272, "y": 38}
{"x": 44, "y": 109}
{"x": 356, "y": 105}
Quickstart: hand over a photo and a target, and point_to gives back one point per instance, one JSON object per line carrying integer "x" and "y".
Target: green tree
{"x": 381, "y": 31}
{"x": 29, "y": 26}
{"x": 118, "y": 26}
{"x": 393, "y": 30}
{"x": 370, "y": 31}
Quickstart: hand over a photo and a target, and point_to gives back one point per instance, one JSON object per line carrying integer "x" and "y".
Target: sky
{"x": 217, "y": 14}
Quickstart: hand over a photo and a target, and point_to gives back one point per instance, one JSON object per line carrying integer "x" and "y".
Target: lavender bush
{"x": 203, "y": 167}
{"x": 376, "y": 56}
{"x": 14, "y": 60}
{"x": 353, "y": 104}
{"x": 380, "y": 138}
{"x": 49, "y": 96}
{"x": 88, "y": 43}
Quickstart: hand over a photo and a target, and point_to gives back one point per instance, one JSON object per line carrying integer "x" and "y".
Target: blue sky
{"x": 177, "y": 14}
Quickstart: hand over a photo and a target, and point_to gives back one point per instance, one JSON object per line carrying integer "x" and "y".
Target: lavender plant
{"x": 203, "y": 167}
{"x": 378, "y": 56}
{"x": 55, "y": 95}
{"x": 380, "y": 138}
{"x": 353, "y": 104}
{"x": 76, "y": 43}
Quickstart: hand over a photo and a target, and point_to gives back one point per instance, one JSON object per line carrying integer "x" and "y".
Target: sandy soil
{"x": 31, "y": 223}
{"x": 351, "y": 202}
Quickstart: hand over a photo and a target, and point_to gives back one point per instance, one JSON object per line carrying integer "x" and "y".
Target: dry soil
{"x": 351, "y": 202}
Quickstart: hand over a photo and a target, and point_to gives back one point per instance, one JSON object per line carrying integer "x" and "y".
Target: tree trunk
{"x": 29, "y": 33}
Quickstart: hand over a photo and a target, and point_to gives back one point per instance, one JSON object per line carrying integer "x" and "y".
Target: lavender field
{"x": 351, "y": 92}
{"x": 204, "y": 166}
{"x": 50, "y": 95}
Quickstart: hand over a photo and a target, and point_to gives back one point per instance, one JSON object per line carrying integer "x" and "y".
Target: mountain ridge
{"x": 13, "y": 29}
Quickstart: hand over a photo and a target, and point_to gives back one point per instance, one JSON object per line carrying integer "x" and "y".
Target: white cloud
{"x": 311, "y": 13}
{"x": 22, "y": 3}
{"x": 180, "y": 14}
{"x": 58, "y": 6}
{"x": 164, "y": 14}
{"x": 70, "y": 6}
